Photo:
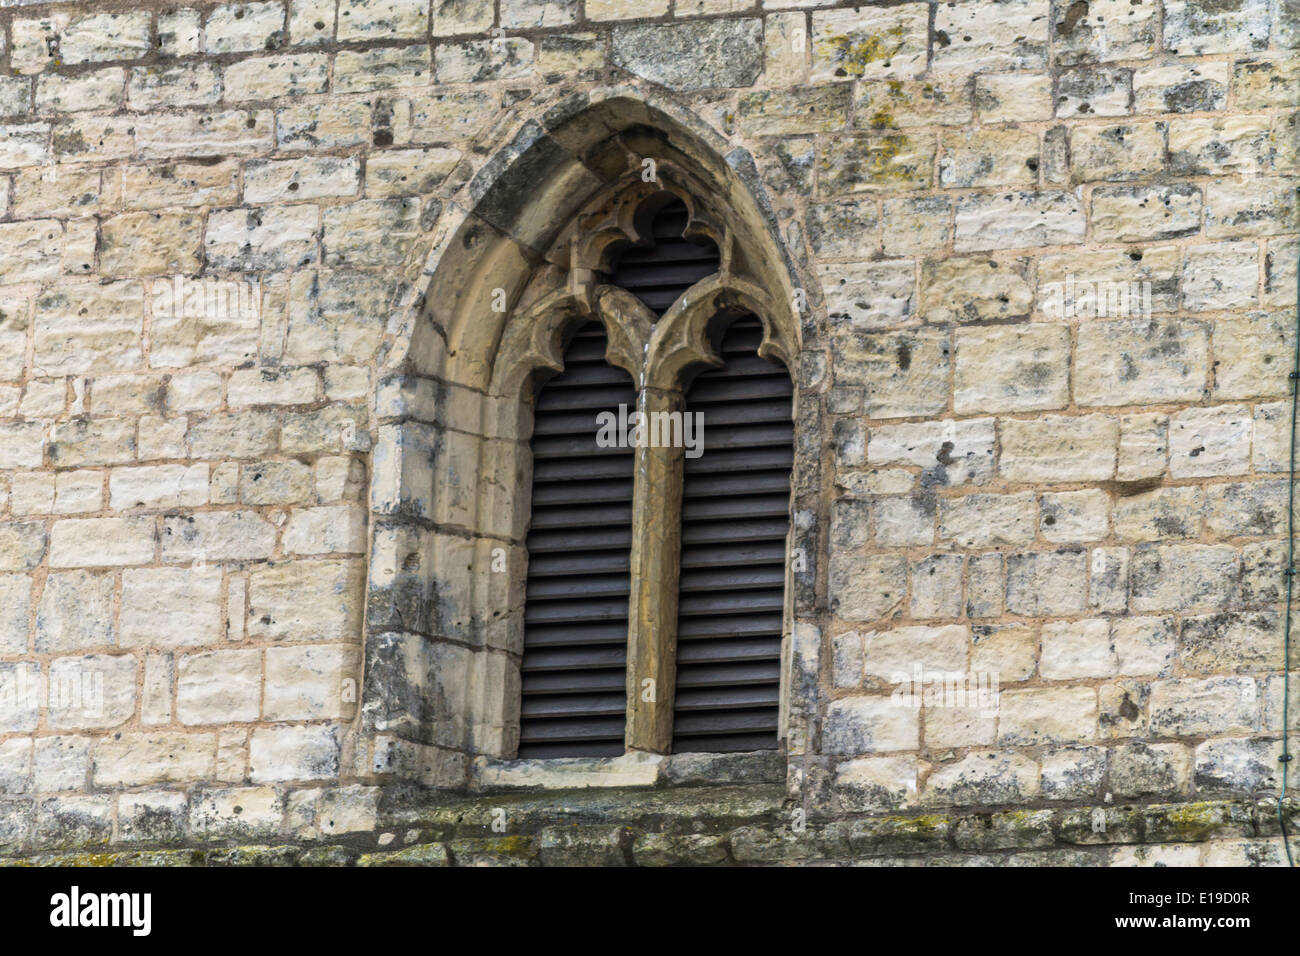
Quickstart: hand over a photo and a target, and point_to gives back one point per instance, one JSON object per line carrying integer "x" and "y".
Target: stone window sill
{"x": 634, "y": 769}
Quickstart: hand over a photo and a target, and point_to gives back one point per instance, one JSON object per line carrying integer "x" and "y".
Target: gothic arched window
{"x": 526, "y": 577}
{"x": 654, "y": 600}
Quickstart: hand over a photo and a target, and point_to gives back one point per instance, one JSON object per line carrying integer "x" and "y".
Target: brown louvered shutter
{"x": 735, "y": 517}
{"x": 575, "y": 617}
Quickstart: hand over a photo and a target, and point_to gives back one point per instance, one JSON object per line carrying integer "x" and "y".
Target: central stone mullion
{"x": 655, "y": 566}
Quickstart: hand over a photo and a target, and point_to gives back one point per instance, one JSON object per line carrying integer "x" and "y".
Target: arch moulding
{"x": 516, "y": 265}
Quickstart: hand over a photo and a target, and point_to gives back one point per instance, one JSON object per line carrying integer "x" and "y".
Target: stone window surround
{"x": 474, "y": 677}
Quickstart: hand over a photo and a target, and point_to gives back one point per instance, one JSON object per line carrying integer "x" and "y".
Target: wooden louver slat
{"x": 735, "y": 518}
{"x": 575, "y": 612}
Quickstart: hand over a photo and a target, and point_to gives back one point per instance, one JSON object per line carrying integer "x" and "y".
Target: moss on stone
{"x": 900, "y": 834}
{"x": 112, "y": 858}
{"x": 1195, "y": 822}
{"x": 719, "y": 826}
{"x": 255, "y": 856}
{"x": 421, "y": 854}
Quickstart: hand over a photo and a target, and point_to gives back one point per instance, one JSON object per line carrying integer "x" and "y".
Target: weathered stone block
{"x": 1182, "y": 577}
{"x": 1018, "y": 220}
{"x": 309, "y": 752}
{"x": 140, "y": 759}
{"x": 1210, "y": 441}
{"x": 1078, "y": 649}
{"x": 868, "y": 296}
{"x": 973, "y": 289}
{"x": 885, "y": 160}
{"x": 152, "y": 816}
{"x": 1073, "y": 773}
{"x": 816, "y": 109}
{"x": 1200, "y": 707}
{"x": 1113, "y": 153}
{"x": 690, "y": 56}
{"x": 860, "y": 725}
{"x": 1095, "y": 91}
{"x": 102, "y": 542}
{"x": 913, "y": 225}
{"x": 989, "y": 157}
{"x": 869, "y": 43}
{"x": 980, "y": 520}
{"x": 1011, "y": 368}
{"x": 1047, "y": 582}
{"x": 242, "y": 813}
{"x": 907, "y": 371}
{"x": 219, "y": 687}
{"x": 1228, "y": 641}
{"x": 952, "y": 452}
{"x": 1143, "y": 213}
{"x": 218, "y": 536}
{"x": 937, "y": 586}
{"x": 1013, "y": 97}
{"x": 1197, "y": 27}
{"x": 867, "y": 587}
{"x": 312, "y": 683}
{"x": 982, "y": 777}
{"x": 1008, "y": 35}
{"x": 96, "y": 691}
{"x": 1057, "y": 715}
{"x": 1252, "y": 355}
{"x": 170, "y": 607}
{"x": 1059, "y": 448}
{"x": 1205, "y": 146}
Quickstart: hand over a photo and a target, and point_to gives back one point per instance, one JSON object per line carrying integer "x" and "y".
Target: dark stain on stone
{"x": 1127, "y": 488}
{"x": 1169, "y": 526}
{"x": 1073, "y": 14}
{"x": 1190, "y": 97}
{"x": 1129, "y": 710}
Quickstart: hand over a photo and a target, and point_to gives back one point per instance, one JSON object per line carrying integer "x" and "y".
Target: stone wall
{"x": 1046, "y": 277}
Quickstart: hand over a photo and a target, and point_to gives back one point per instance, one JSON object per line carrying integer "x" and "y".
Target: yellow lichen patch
{"x": 854, "y": 53}
{"x": 883, "y": 119}
{"x": 881, "y": 158}
{"x": 853, "y": 163}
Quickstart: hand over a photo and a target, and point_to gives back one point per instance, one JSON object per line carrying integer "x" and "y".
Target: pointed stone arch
{"x": 516, "y": 263}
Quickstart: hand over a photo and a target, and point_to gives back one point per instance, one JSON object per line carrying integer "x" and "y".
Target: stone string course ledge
{"x": 723, "y": 826}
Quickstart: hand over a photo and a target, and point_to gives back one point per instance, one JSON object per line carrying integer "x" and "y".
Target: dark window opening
{"x": 574, "y": 668}
{"x": 735, "y": 517}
